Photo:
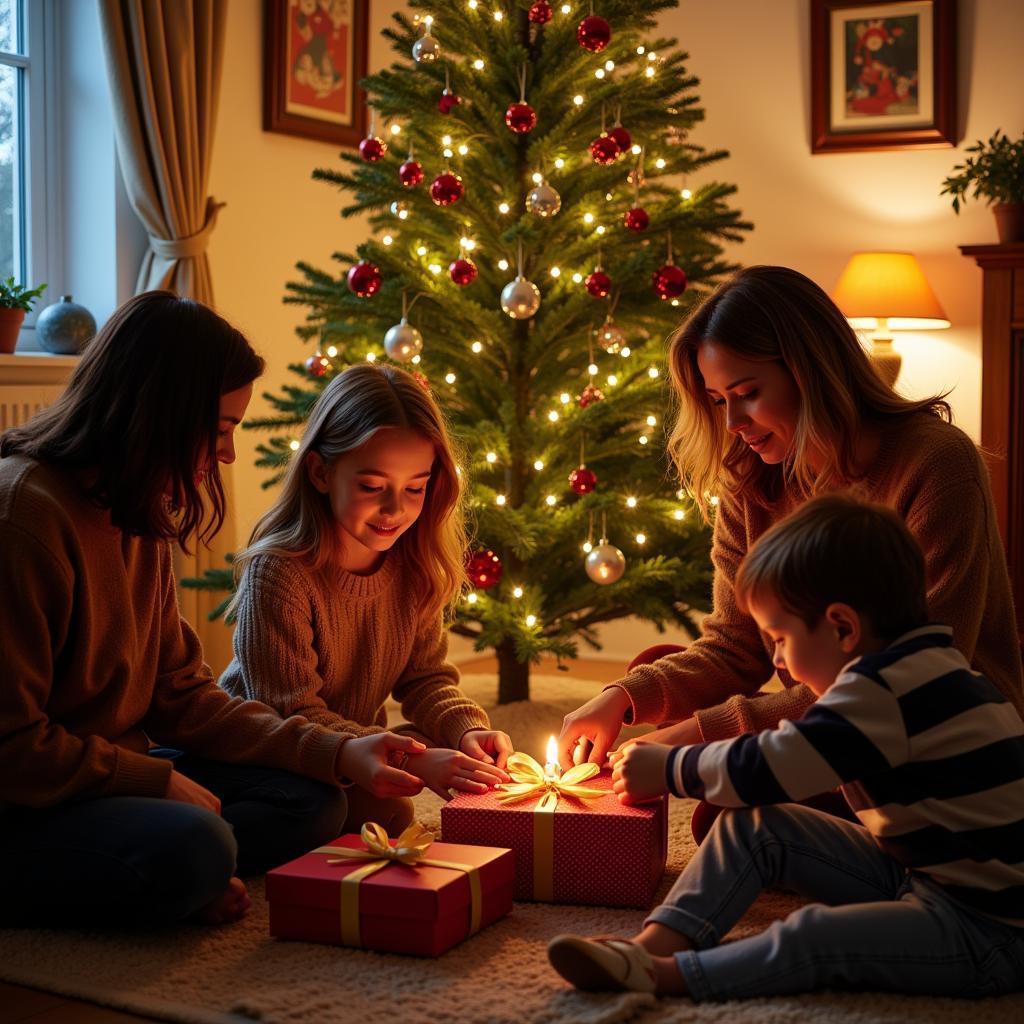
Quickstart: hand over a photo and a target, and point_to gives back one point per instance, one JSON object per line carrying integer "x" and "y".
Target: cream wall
{"x": 810, "y": 212}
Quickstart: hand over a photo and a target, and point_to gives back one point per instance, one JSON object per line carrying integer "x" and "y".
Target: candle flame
{"x": 552, "y": 754}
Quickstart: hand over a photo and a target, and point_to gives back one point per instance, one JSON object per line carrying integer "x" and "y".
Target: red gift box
{"x": 602, "y": 853}
{"x": 396, "y": 907}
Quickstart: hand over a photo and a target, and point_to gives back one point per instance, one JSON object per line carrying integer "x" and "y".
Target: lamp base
{"x": 886, "y": 359}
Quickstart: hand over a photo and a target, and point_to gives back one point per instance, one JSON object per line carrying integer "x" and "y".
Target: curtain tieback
{"x": 191, "y": 246}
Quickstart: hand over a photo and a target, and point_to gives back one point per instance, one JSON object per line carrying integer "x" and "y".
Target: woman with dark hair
{"x": 131, "y": 786}
{"x": 778, "y": 401}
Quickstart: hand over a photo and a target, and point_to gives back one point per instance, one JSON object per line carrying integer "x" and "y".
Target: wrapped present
{"x": 574, "y": 843}
{"x": 411, "y": 896}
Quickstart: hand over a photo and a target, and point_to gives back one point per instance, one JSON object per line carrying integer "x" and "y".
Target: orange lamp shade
{"x": 888, "y": 289}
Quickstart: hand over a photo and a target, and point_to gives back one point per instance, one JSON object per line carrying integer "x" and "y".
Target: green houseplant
{"x": 993, "y": 171}
{"x": 15, "y": 301}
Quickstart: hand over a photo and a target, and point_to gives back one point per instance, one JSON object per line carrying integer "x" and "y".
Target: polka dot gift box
{"x": 573, "y": 841}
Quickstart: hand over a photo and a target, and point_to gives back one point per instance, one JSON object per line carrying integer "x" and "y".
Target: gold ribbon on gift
{"x": 410, "y": 847}
{"x": 529, "y": 779}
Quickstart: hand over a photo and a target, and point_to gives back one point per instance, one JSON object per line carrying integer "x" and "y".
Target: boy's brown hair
{"x": 835, "y": 548}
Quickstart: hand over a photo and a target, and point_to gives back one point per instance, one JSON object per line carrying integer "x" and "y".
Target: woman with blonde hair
{"x": 778, "y": 401}
{"x": 346, "y": 580}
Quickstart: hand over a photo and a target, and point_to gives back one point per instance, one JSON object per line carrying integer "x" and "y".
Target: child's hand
{"x": 680, "y": 734}
{"x": 442, "y": 770}
{"x": 489, "y": 746}
{"x": 639, "y": 772}
{"x": 364, "y": 760}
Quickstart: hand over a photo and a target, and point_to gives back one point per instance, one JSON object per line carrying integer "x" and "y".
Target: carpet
{"x": 239, "y": 974}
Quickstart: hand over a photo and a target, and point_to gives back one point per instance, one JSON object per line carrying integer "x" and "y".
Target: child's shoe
{"x": 602, "y": 964}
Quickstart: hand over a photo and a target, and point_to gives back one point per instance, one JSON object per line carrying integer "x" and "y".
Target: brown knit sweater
{"x": 333, "y": 646}
{"x": 97, "y": 662}
{"x": 931, "y": 473}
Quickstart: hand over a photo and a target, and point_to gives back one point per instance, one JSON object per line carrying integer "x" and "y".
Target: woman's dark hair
{"x": 141, "y": 412}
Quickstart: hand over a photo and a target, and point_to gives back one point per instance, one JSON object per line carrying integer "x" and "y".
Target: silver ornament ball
{"x": 544, "y": 201}
{"x": 426, "y": 49}
{"x": 611, "y": 338}
{"x": 403, "y": 341}
{"x": 520, "y": 299}
{"x": 606, "y": 563}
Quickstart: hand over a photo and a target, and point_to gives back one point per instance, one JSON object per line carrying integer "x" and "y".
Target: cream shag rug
{"x": 238, "y": 973}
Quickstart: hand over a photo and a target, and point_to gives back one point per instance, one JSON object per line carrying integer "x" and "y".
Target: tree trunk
{"x": 513, "y": 675}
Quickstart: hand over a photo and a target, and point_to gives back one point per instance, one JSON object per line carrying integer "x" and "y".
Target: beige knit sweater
{"x": 931, "y": 473}
{"x": 333, "y": 646}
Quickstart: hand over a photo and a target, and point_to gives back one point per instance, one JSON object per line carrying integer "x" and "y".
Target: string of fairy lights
{"x": 521, "y": 298}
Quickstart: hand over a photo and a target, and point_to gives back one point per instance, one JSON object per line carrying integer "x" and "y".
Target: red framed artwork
{"x": 313, "y": 60}
{"x": 883, "y": 75}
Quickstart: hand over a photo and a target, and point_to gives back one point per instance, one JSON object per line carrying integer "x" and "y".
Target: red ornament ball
{"x": 364, "y": 279}
{"x": 599, "y": 284}
{"x": 484, "y": 569}
{"x": 540, "y": 12}
{"x": 317, "y": 365}
{"x": 669, "y": 281}
{"x": 410, "y": 173}
{"x": 521, "y": 118}
{"x": 589, "y": 395}
{"x": 636, "y": 219}
{"x": 446, "y": 188}
{"x": 447, "y": 101}
{"x": 593, "y": 33}
{"x": 604, "y": 149}
{"x": 372, "y": 148}
{"x": 462, "y": 271}
{"x": 622, "y": 138}
{"x": 583, "y": 480}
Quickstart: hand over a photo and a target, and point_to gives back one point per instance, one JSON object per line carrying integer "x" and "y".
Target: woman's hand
{"x": 639, "y": 772}
{"x": 489, "y": 746}
{"x": 442, "y": 770}
{"x": 599, "y": 721}
{"x": 364, "y": 760}
{"x": 184, "y": 790}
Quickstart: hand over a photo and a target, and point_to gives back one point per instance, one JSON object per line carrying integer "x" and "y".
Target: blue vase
{"x": 65, "y": 327}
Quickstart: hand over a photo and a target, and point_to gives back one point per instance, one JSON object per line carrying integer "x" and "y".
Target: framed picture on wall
{"x": 883, "y": 75}
{"x": 314, "y": 56}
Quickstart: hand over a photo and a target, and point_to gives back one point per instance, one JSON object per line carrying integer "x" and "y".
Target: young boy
{"x": 926, "y": 895}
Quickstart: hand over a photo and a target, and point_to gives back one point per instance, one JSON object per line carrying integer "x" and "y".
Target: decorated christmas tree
{"x": 534, "y": 244}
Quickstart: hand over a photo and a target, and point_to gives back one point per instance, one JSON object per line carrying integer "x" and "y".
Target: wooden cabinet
{"x": 1002, "y": 396}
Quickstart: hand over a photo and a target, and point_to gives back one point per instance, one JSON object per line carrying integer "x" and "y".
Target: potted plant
{"x": 15, "y": 302}
{"x": 994, "y": 171}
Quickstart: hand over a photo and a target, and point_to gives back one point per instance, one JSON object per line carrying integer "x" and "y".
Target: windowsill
{"x": 39, "y": 368}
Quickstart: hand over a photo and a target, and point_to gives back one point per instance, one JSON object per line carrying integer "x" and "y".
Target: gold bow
{"x": 410, "y": 847}
{"x": 529, "y": 778}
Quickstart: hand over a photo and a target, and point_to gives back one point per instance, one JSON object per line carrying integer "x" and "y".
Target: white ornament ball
{"x": 605, "y": 564}
{"x": 544, "y": 201}
{"x": 426, "y": 49}
{"x": 520, "y": 299}
{"x": 611, "y": 338}
{"x": 403, "y": 341}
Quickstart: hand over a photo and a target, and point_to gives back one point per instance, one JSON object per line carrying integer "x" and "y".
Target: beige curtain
{"x": 164, "y": 62}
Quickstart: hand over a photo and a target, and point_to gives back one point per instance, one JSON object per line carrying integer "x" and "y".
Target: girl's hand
{"x": 599, "y": 721}
{"x": 364, "y": 760}
{"x": 489, "y": 746}
{"x": 442, "y": 770}
{"x": 639, "y": 772}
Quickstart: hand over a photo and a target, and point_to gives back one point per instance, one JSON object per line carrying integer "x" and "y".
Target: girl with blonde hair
{"x": 347, "y": 578}
{"x": 778, "y": 401}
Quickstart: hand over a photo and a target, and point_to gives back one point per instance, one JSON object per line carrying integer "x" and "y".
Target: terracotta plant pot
{"x": 1009, "y": 222}
{"x": 10, "y": 325}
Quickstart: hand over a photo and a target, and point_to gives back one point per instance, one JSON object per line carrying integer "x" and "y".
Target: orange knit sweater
{"x": 97, "y": 662}
{"x": 931, "y": 473}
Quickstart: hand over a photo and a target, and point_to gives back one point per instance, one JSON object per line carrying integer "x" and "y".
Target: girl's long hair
{"x": 141, "y": 413}
{"x": 353, "y": 407}
{"x": 773, "y": 314}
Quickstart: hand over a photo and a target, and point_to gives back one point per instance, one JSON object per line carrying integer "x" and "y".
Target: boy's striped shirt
{"x": 929, "y": 754}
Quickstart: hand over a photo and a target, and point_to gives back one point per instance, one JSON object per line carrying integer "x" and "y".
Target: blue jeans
{"x": 141, "y": 860}
{"x": 871, "y": 926}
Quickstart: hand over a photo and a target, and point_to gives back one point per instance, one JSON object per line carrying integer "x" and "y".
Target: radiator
{"x": 20, "y": 402}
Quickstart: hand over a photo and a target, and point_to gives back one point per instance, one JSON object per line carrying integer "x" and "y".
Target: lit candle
{"x": 552, "y": 769}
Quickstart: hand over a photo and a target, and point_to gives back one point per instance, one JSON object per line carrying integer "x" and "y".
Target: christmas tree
{"x": 534, "y": 244}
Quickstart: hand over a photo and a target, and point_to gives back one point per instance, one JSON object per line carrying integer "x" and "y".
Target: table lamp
{"x": 884, "y": 292}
